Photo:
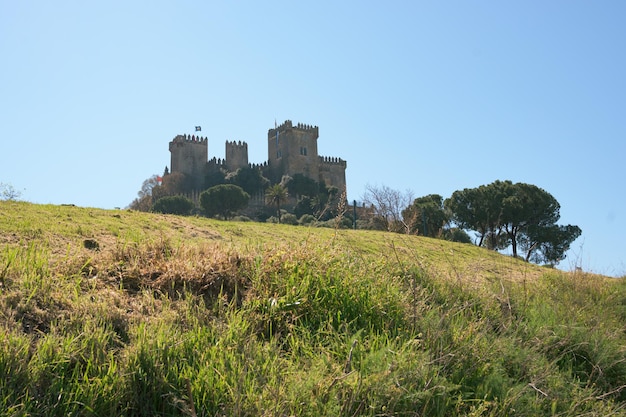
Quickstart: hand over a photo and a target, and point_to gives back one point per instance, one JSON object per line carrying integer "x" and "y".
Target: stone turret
{"x": 189, "y": 155}
{"x": 236, "y": 155}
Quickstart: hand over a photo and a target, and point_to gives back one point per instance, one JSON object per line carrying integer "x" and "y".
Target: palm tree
{"x": 275, "y": 196}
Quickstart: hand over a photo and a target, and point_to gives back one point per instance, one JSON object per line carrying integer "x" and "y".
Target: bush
{"x": 173, "y": 205}
{"x": 307, "y": 219}
{"x": 242, "y": 219}
{"x": 289, "y": 218}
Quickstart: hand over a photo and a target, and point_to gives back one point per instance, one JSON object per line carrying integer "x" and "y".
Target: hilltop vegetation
{"x": 114, "y": 313}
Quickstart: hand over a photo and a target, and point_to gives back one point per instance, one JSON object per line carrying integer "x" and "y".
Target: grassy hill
{"x": 111, "y": 313}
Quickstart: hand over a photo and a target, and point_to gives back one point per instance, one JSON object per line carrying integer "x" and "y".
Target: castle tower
{"x": 293, "y": 150}
{"x": 189, "y": 155}
{"x": 236, "y": 155}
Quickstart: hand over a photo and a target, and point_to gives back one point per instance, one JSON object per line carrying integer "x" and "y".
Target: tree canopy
{"x": 224, "y": 200}
{"x": 276, "y": 195}
{"x": 250, "y": 179}
{"x": 518, "y": 215}
{"x": 426, "y": 216}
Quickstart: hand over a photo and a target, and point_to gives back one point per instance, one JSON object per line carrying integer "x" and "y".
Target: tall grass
{"x": 322, "y": 324}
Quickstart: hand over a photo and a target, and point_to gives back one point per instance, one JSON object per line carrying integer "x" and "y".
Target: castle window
{"x": 279, "y": 153}
{"x": 302, "y": 150}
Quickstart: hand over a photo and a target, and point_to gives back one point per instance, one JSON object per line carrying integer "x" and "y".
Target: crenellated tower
{"x": 236, "y": 155}
{"x": 189, "y": 155}
{"x": 293, "y": 150}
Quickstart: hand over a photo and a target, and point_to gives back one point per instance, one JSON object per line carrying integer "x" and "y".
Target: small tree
{"x": 8, "y": 192}
{"x": 387, "y": 205}
{"x": 224, "y": 200}
{"x": 275, "y": 196}
{"x": 173, "y": 205}
{"x": 426, "y": 216}
{"x": 144, "y": 200}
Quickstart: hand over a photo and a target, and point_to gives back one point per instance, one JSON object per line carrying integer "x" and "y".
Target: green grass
{"x": 185, "y": 316}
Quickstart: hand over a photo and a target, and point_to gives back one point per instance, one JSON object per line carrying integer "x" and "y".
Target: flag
{"x": 159, "y": 178}
{"x": 198, "y": 129}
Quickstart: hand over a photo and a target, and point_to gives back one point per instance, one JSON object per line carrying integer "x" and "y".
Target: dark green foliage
{"x": 304, "y": 206}
{"x": 301, "y": 186}
{"x": 173, "y": 205}
{"x": 517, "y": 215}
{"x": 251, "y": 180}
{"x": 479, "y": 209}
{"x": 224, "y": 200}
{"x": 426, "y": 216}
{"x": 276, "y": 195}
{"x": 289, "y": 218}
{"x": 548, "y": 244}
{"x": 307, "y": 219}
{"x": 214, "y": 177}
{"x": 454, "y": 234}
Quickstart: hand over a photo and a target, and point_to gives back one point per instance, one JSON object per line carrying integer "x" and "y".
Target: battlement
{"x": 330, "y": 160}
{"x": 288, "y": 125}
{"x": 189, "y": 139}
{"x": 217, "y": 162}
{"x": 235, "y": 144}
{"x": 260, "y": 166}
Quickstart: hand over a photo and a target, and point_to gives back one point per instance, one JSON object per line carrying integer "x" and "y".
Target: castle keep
{"x": 291, "y": 150}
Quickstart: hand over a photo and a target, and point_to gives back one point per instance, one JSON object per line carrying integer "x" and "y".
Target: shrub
{"x": 306, "y": 219}
{"x": 173, "y": 205}
{"x": 289, "y": 218}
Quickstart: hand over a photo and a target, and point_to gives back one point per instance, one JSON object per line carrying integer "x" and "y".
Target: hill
{"x": 127, "y": 313}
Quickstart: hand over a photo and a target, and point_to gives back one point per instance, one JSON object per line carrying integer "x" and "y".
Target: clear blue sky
{"x": 426, "y": 96}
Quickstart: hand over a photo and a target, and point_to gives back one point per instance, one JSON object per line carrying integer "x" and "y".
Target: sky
{"x": 422, "y": 96}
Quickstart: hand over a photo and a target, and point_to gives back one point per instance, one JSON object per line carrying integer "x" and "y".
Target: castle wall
{"x": 291, "y": 150}
{"x": 333, "y": 172}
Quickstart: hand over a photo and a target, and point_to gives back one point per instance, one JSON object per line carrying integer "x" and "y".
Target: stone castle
{"x": 291, "y": 150}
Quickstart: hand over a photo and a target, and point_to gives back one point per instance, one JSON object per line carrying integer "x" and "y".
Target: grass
{"x": 184, "y": 316}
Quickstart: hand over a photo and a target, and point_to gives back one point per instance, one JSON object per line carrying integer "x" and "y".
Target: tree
{"x": 426, "y": 216}
{"x": 144, "y": 200}
{"x": 175, "y": 183}
{"x": 526, "y": 207}
{"x": 387, "y": 205}
{"x": 517, "y": 215}
{"x": 173, "y": 205}
{"x": 214, "y": 177}
{"x": 302, "y": 186}
{"x": 548, "y": 244}
{"x": 275, "y": 196}
{"x": 8, "y": 192}
{"x": 224, "y": 200}
{"x": 479, "y": 209}
{"x": 250, "y": 179}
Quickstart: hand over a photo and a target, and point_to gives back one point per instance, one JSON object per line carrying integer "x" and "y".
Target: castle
{"x": 291, "y": 150}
